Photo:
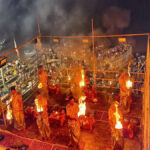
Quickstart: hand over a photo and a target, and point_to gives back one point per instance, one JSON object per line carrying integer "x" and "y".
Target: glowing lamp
{"x": 118, "y": 125}
{"x": 82, "y": 106}
{"x": 69, "y": 78}
{"x": 9, "y": 113}
{"x": 82, "y": 98}
{"x": 55, "y": 40}
{"x": 81, "y": 84}
{"x": 82, "y": 109}
{"x": 40, "y": 85}
{"x": 39, "y": 108}
{"x": 122, "y": 40}
{"x": 82, "y": 76}
{"x": 129, "y": 84}
{"x": 85, "y": 41}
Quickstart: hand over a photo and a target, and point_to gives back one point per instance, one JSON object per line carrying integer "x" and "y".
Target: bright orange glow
{"x": 40, "y": 85}
{"x": 3, "y": 61}
{"x": 129, "y": 84}
{"x": 56, "y": 112}
{"x": 39, "y": 108}
{"x": 122, "y": 40}
{"x": 82, "y": 106}
{"x": 9, "y": 113}
{"x": 69, "y": 78}
{"x": 118, "y": 124}
{"x": 82, "y": 83}
{"x": 55, "y": 40}
{"x": 85, "y": 41}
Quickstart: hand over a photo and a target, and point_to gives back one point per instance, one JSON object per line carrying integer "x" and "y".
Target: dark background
{"x": 73, "y": 17}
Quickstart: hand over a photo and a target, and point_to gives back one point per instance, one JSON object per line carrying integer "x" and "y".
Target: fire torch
{"x": 118, "y": 138}
{"x": 129, "y": 84}
{"x": 81, "y": 83}
{"x": 9, "y": 114}
{"x": 82, "y": 106}
{"x": 38, "y": 107}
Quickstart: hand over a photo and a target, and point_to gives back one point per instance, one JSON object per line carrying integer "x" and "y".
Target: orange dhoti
{"x": 124, "y": 93}
{"x": 74, "y": 130}
{"x": 73, "y": 123}
{"x": 17, "y": 110}
{"x": 43, "y": 125}
{"x": 19, "y": 122}
{"x": 44, "y": 90}
{"x": 43, "y": 79}
{"x": 42, "y": 116}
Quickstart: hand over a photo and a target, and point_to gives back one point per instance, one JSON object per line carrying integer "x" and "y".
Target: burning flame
{"x": 118, "y": 125}
{"x": 129, "y": 84}
{"x": 82, "y": 106}
{"x": 69, "y": 78}
{"x": 39, "y": 108}
{"x": 82, "y": 84}
{"x": 9, "y": 113}
{"x": 118, "y": 122}
{"x": 40, "y": 85}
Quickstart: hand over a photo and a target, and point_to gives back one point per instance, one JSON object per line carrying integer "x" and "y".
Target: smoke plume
{"x": 116, "y": 19}
{"x": 57, "y": 17}
{"x": 19, "y": 17}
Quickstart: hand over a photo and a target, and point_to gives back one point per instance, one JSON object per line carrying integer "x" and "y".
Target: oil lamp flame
{"x": 82, "y": 106}
{"x": 129, "y": 84}
{"x": 69, "y": 78}
{"x": 118, "y": 124}
{"x": 39, "y": 108}
{"x": 40, "y": 85}
{"x": 82, "y": 84}
{"x": 9, "y": 114}
{"x": 82, "y": 76}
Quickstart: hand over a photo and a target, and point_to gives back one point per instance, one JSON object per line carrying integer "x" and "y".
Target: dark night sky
{"x": 67, "y": 17}
{"x": 140, "y": 19}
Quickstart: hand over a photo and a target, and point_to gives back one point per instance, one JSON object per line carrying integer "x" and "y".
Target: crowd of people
{"x": 42, "y": 97}
{"x": 15, "y": 104}
{"x": 41, "y": 108}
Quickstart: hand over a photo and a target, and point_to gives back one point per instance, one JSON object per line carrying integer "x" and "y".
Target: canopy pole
{"x": 94, "y": 75}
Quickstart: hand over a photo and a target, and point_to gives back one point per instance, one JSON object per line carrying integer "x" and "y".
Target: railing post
{"x": 146, "y": 103}
{"x": 94, "y": 75}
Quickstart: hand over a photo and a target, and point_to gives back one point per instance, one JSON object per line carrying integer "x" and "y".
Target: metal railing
{"x": 146, "y": 100}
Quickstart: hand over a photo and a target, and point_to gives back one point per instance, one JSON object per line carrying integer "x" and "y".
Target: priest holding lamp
{"x": 126, "y": 84}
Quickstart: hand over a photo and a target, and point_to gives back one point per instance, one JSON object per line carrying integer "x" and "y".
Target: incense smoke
{"x": 116, "y": 19}
{"x": 57, "y": 17}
